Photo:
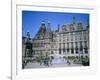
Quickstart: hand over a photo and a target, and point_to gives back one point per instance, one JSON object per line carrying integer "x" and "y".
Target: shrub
{"x": 85, "y": 61}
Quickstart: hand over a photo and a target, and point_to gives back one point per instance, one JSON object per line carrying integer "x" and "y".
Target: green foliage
{"x": 85, "y": 61}
{"x": 71, "y": 57}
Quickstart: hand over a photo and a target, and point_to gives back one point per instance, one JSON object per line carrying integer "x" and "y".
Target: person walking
{"x": 41, "y": 62}
{"x": 50, "y": 61}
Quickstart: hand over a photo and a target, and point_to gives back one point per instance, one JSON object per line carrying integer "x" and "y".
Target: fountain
{"x": 58, "y": 59}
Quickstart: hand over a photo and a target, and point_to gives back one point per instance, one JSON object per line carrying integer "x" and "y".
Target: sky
{"x": 31, "y": 20}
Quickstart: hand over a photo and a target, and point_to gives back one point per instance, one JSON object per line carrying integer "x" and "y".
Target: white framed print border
{"x": 16, "y": 62}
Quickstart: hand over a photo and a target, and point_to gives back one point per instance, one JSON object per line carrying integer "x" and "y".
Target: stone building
{"x": 69, "y": 40}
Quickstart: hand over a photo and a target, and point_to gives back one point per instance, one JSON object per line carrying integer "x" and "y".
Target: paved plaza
{"x": 55, "y": 63}
{"x": 37, "y": 65}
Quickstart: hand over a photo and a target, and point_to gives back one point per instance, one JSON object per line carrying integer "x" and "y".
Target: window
{"x": 76, "y": 50}
{"x": 76, "y": 47}
{"x": 84, "y": 37}
{"x": 80, "y": 37}
{"x": 86, "y": 50}
{"x": 51, "y": 52}
{"x": 67, "y": 45}
{"x": 67, "y": 49}
{"x": 67, "y": 39}
{"x": 72, "y": 44}
{"x": 71, "y": 38}
{"x": 63, "y": 47}
{"x": 59, "y": 50}
{"x": 81, "y": 48}
{"x": 72, "y": 50}
{"x": 75, "y": 37}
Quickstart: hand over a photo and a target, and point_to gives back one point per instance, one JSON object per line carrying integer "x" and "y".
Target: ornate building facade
{"x": 69, "y": 40}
